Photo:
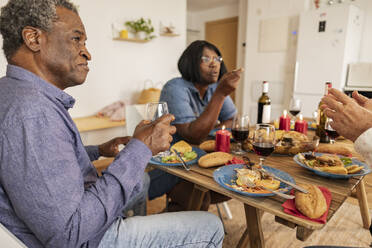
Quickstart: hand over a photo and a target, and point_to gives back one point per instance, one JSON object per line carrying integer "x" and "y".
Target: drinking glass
{"x": 295, "y": 106}
{"x": 155, "y": 110}
{"x": 263, "y": 141}
{"x": 332, "y": 134}
{"x": 240, "y": 131}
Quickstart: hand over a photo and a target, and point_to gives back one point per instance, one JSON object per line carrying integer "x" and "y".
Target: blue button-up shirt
{"x": 50, "y": 195}
{"x": 185, "y": 103}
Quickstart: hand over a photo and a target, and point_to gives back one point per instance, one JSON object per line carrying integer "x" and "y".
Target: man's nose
{"x": 85, "y": 53}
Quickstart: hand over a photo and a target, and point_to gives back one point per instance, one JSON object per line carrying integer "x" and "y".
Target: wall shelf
{"x": 91, "y": 123}
{"x": 169, "y": 34}
{"x": 131, "y": 40}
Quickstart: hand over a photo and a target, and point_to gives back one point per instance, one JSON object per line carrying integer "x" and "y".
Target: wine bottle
{"x": 322, "y": 119}
{"x": 264, "y": 105}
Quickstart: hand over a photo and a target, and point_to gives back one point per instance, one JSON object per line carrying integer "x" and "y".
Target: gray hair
{"x": 18, "y": 14}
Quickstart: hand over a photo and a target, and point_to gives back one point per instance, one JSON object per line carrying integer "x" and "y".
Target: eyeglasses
{"x": 207, "y": 60}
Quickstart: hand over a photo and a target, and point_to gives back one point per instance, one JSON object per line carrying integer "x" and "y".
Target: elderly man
{"x": 50, "y": 195}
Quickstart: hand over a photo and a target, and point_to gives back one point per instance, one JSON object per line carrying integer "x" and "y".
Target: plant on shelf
{"x": 141, "y": 26}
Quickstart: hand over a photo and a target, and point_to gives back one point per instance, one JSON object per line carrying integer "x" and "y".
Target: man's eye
{"x": 76, "y": 38}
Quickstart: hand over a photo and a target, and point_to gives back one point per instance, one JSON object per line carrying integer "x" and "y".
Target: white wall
{"x": 118, "y": 69}
{"x": 275, "y": 67}
{"x": 196, "y": 20}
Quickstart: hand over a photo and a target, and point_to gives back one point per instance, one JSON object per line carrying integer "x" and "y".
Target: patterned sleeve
{"x": 93, "y": 152}
{"x": 363, "y": 145}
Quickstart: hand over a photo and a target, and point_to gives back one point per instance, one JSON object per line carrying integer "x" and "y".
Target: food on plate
{"x": 235, "y": 160}
{"x": 351, "y": 169}
{"x": 269, "y": 183}
{"x": 330, "y": 163}
{"x": 312, "y": 204}
{"x": 334, "y": 169}
{"x": 289, "y": 143}
{"x": 248, "y": 177}
{"x": 328, "y": 160}
{"x": 214, "y": 159}
{"x": 184, "y": 149}
{"x": 208, "y": 145}
{"x": 340, "y": 149}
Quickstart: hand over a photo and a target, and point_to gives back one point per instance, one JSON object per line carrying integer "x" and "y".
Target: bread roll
{"x": 334, "y": 149}
{"x": 313, "y": 204}
{"x": 208, "y": 145}
{"x": 214, "y": 159}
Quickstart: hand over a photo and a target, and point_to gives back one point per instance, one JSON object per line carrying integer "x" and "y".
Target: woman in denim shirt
{"x": 200, "y": 102}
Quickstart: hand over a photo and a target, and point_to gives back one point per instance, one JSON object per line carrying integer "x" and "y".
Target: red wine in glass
{"x": 294, "y": 112}
{"x": 240, "y": 134}
{"x": 263, "y": 149}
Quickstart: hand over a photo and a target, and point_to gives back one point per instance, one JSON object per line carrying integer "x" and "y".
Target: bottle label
{"x": 266, "y": 113}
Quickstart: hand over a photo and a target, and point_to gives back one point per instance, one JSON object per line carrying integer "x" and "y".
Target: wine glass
{"x": 155, "y": 110}
{"x": 295, "y": 106}
{"x": 332, "y": 134}
{"x": 263, "y": 141}
{"x": 240, "y": 131}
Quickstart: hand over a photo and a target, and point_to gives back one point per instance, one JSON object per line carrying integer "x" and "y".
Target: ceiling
{"x": 198, "y": 5}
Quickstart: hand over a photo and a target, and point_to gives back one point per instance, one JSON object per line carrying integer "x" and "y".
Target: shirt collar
{"x": 42, "y": 85}
{"x": 208, "y": 93}
{"x": 191, "y": 86}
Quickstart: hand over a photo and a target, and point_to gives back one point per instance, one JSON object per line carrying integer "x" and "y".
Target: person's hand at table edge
{"x": 111, "y": 148}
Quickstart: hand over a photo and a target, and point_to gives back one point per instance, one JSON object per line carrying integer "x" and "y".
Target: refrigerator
{"x": 328, "y": 41}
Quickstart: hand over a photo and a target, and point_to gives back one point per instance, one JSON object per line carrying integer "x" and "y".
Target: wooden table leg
{"x": 363, "y": 204}
{"x": 244, "y": 240}
{"x": 253, "y": 234}
{"x": 197, "y": 197}
{"x": 303, "y": 233}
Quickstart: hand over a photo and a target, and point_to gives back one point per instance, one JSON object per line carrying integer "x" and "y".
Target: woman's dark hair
{"x": 189, "y": 62}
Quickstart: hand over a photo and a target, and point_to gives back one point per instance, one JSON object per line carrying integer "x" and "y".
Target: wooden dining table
{"x": 255, "y": 206}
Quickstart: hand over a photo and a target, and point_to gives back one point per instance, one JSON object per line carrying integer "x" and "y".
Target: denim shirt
{"x": 185, "y": 103}
{"x": 50, "y": 195}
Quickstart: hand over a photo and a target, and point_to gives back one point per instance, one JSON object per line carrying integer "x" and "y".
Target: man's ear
{"x": 31, "y": 38}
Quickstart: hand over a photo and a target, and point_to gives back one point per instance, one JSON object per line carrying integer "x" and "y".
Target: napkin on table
{"x": 290, "y": 207}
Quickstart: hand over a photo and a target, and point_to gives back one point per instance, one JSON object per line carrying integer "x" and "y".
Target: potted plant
{"x": 142, "y": 28}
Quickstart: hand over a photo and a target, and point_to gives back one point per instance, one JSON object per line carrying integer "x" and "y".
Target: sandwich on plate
{"x": 185, "y": 151}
